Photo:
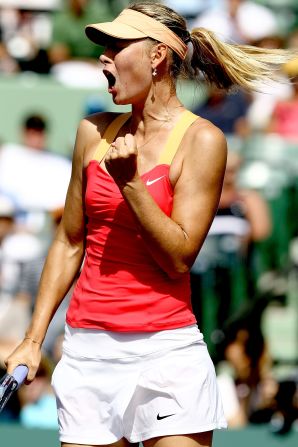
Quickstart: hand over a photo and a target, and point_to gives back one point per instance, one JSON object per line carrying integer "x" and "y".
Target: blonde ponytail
{"x": 225, "y": 64}
{"x": 221, "y": 63}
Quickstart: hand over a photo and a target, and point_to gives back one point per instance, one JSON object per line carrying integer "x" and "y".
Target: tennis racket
{"x": 10, "y": 383}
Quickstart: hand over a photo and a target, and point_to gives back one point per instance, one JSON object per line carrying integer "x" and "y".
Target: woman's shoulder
{"x": 202, "y": 133}
{"x": 97, "y": 122}
{"x": 89, "y": 133}
{"x": 92, "y": 127}
{"x": 203, "y": 150}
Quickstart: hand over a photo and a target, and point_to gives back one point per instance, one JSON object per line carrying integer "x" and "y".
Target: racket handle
{"x": 20, "y": 374}
{"x": 9, "y": 383}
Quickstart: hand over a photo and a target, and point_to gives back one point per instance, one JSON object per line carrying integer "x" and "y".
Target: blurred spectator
{"x": 33, "y": 405}
{"x": 293, "y": 40}
{"x": 251, "y": 393}
{"x": 8, "y": 64}
{"x": 263, "y": 102}
{"x": 238, "y": 21}
{"x": 69, "y": 41}
{"x": 284, "y": 118}
{"x": 56, "y": 352}
{"x": 190, "y": 9}
{"x": 34, "y": 177}
{"x": 221, "y": 277}
{"x": 74, "y": 58}
{"x": 226, "y": 110}
{"x": 34, "y": 132}
{"x": 26, "y": 35}
{"x": 16, "y": 250}
{"x": 21, "y": 261}
{"x": 38, "y": 403}
{"x": 246, "y": 372}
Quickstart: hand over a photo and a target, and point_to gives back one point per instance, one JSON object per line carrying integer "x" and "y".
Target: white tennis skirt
{"x": 138, "y": 386}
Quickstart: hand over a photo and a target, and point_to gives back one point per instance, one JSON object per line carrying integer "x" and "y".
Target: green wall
{"x": 15, "y": 436}
{"x": 63, "y": 106}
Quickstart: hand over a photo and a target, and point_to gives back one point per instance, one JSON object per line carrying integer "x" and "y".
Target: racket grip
{"x": 20, "y": 374}
{"x": 9, "y": 383}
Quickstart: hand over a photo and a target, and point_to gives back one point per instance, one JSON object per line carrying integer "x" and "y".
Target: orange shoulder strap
{"x": 175, "y": 137}
{"x": 109, "y": 135}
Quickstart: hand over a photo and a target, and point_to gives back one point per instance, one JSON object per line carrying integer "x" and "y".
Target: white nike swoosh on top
{"x": 150, "y": 182}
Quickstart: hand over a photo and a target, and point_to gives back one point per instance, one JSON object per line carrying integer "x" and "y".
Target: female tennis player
{"x": 143, "y": 192}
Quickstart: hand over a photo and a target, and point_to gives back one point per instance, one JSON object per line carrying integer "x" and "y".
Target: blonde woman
{"x": 144, "y": 189}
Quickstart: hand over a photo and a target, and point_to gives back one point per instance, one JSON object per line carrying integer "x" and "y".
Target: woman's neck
{"x": 161, "y": 106}
{"x": 155, "y": 117}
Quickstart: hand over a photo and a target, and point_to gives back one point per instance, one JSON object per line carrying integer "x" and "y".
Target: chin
{"x": 121, "y": 102}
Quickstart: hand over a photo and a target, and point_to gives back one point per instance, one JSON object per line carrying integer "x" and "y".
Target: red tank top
{"x": 121, "y": 287}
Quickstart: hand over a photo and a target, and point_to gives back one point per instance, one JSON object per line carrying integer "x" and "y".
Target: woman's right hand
{"x": 28, "y": 353}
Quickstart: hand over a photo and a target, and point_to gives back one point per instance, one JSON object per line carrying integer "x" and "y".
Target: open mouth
{"x": 111, "y": 78}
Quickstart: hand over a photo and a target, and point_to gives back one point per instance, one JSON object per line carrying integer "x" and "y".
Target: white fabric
{"x": 229, "y": 225}
{"x": 229, "y": 396}
{"x": 252, "y": 22}
{"x": 102, "y": 398}
{"x": 256, "y": 21}
{"x": 21, "y": 247}
{"x": 31, "y": 4}
{"x": 7, "y": 208}
{"x": 15, "y": 251}
{"x": 79, "y": 74}
{"x": 191, "y": 7}
{"x": 264, "y": 101}
{"x": 115, "y": 345}
{"x": 35, "y": 180}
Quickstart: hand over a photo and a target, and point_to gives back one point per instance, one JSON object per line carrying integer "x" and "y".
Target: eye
{"x": 108, "y": 48}
{"x": 115, "y": 46}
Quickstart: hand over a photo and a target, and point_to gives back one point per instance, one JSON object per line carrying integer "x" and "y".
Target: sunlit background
{"x": 244, "y": 281}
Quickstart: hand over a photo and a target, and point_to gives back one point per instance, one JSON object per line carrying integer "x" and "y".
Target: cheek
{"x": 135, "y": 71}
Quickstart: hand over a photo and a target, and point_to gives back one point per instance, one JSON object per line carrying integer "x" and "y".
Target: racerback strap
{"x": 172, "y": 144}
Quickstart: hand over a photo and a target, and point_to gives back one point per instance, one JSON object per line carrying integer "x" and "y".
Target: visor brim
{"x": 100, "y": 33}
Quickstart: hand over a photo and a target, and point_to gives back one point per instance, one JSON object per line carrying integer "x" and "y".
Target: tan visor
{"x": 131, "y": 25}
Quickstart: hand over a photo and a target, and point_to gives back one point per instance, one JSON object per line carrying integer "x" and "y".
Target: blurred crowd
{"x": 247, "y": 270}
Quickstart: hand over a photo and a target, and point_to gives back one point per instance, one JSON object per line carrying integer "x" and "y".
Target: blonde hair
{"x": 222, "y": 64}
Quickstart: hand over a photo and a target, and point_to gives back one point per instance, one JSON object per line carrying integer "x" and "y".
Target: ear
{"x": 158, "y": 54}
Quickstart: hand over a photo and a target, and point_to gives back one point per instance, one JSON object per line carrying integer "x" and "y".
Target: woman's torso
{"x": 121, "y": 287}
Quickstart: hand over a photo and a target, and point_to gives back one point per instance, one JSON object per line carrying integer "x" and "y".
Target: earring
{"x": 154, "y": 72}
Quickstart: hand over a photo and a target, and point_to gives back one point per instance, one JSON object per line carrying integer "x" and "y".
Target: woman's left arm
{"x": 175, "y": 241}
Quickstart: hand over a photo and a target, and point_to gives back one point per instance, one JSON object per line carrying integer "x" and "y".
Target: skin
{"x": 196, "y": 172}
{"x": 35, "y": 139}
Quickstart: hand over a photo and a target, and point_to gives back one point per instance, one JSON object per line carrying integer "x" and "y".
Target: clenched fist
{"x": 121, "y": 160}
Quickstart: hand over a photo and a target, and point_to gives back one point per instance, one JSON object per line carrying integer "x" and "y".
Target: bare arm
{"x": 175, "y": 241}
{"x": 62, "y": 264}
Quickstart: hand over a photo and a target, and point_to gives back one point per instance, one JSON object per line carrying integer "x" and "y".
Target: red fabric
{"x": 121, "y": 287}
{"x": 286, "y": 118}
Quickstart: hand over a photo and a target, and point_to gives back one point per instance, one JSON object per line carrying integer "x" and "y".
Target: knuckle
{"x": 119, "y": 140}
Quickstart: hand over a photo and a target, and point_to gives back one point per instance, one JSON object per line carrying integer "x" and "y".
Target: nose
{"x": 104, "y": 57}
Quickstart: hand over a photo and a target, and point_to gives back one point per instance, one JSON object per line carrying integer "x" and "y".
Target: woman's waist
{"x": 129, "y": 305}
{"x": 125, "y": 258}
{"x": 104, "y": 344}
{"x": 128, "y": 275}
